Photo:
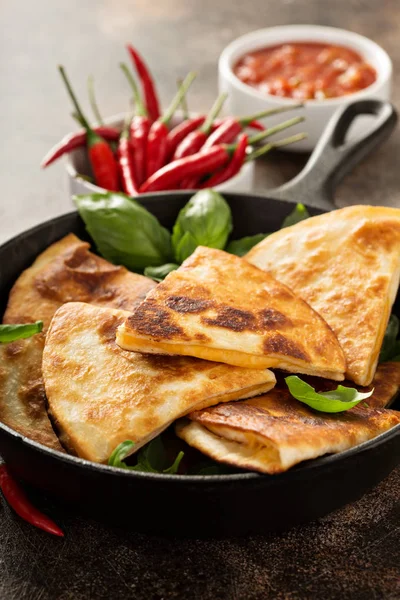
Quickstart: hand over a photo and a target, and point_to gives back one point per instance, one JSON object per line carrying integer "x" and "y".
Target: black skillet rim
{"x": 307, "y": 466}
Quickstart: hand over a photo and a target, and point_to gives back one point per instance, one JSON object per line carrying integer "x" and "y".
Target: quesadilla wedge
{"x": 218, "y": 307}
{"x": 274, "y": 432}
{"x": 100, "y": 395}
{"x": 65, "y": 271}
{"x": 346, "y": 265}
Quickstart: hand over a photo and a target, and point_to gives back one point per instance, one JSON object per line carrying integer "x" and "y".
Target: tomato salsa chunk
{"x": 305, "y": 70}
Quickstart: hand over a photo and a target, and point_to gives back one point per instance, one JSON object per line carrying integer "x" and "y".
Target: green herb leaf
{"x": 338, "y": 400}
{"x": 121, "y": 452}
{"x": 159, "y": 273}
{"x": 10, "y": 333}
{"x": 173, "y": 469}
{"x": 150, "y": 459}
{"x": 390, "y": 349}
{"x": 299, "y": 213}
{"x": 206, "y": 220}
{"x": 242, "y": 246}
{"x": 124, "y": 232}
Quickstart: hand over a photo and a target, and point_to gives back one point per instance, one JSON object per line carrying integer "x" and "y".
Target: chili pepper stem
{"x": 92, "y": 100}
{"x": 187, "y": 82}
{"x": 184, "y": 106}
{"x": 267, "y": 113}
{"x": 75, "y": 102}
{"x": 214, "y": 112}
{"x": 140, "y": 108}
{"x": 285, "y": 142}
{"x": 272, "y": 130}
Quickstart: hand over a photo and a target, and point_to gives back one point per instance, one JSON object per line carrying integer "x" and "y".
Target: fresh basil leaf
{"x": 299, "y": 213}
{"x": 150, "y": 459}
{"x": 152, "y": 455}
{"x": 206, "y": 220}
{"x": 242, "y": 246}
{"x": 10, "y": 333}
{"x": 338, "y": 400}
{"x": 390, "y": 345}
{"x": 160, "y": 273}
{"x": 124, "y": 232}
{"x": 121, "y": 452}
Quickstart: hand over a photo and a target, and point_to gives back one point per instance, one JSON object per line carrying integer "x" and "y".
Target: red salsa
{"x": 305, "y": 70}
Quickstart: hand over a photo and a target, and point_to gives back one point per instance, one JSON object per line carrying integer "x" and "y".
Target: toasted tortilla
{"x": 218, "y": 307}
{"x": 100, "y": 395}
{"x": 346, "y": 265}
{"x": 274, "y": 432}
{"x": 65, "y": 271}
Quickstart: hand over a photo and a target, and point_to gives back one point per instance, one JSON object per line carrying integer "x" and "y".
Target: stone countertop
{"x": 351, "y": 554}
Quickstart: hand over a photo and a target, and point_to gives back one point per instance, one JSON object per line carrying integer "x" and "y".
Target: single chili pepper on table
{"x": 126, "y": 162}
{"x": 157, "y": 144}
{"x": 192, "y": 143}
{"x": 149, "y": 91}
{"x": 232, "y": 126}
{"x": 72, "y": 141}
{"x": 101, "y": 157}
{"x": 178, "y": 133}
{"x": 138, "y": 130}
{"x": 233, "y": 167}
{"x": 18, "y": 501}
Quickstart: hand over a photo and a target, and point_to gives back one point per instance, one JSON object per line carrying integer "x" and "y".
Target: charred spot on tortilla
{"x": 183, "y": 304}
{"x": 232, "y": 318}
{"x": 155, "y": 321}
{"x": 270, "y": 318}
{"x": 278, "y": 344}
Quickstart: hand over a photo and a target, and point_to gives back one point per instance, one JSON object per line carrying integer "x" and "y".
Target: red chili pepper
{"x": 170, "y": 176}
{"x": 72, "y": 141}
{"x": 178, "y": 133}
{"x": 17, "y": 499}
{"x": 148, "y": 87}
{"x": 232, "y": 168}
{"x": 126, "y": 163}
{"x": 192, "y": 143}
{"x": 232, "y": 126}
{"x": 138, "y": 131}
{"x": 157, "y": 144}
{"x": 101, "y": 157}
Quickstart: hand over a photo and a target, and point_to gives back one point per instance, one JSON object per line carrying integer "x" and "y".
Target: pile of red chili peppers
{"x": 149, "y": 155}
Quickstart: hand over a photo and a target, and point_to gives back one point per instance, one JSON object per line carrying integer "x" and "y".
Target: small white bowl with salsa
{"x": 323, "y": 67}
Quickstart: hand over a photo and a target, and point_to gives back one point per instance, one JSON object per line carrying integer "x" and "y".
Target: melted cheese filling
{"x": 128, "y": 341}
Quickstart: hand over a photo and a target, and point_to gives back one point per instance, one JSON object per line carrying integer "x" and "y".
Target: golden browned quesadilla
{"x": 65, "y": 271}
{"x": 346, "y": 265}
{"x": 100, "y": 395}
{"x": 274, "y": 432}
{"x": 218, "y": 307}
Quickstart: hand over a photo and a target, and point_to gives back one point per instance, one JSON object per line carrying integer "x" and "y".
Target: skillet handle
{"x": 333, "y": 157}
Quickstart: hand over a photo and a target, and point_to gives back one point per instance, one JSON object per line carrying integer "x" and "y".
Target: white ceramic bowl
{"x": 244, "y": 99}
{"x": 77, "y": 164}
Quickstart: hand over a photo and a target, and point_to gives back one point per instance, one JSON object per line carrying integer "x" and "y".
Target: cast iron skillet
{"x": 225, "y": 504}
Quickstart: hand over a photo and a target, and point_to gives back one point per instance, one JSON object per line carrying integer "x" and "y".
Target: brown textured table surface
{"x": 353, "y": 553}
